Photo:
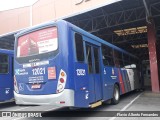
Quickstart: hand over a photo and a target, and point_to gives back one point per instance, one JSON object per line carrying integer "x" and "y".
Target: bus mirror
{"x": 127, "y": 66}
{"x": 133, "y": 66}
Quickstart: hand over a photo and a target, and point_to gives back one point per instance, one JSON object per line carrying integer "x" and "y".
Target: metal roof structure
{"x": 7, "y": 41}
{"x": 128, "y": 18}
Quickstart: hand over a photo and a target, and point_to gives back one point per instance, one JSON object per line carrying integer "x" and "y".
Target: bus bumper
{"x": 65, "y": 98}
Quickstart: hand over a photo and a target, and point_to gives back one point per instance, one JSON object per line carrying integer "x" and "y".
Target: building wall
{"x": 13, "y": 20}
{"x": 45, "y": 10}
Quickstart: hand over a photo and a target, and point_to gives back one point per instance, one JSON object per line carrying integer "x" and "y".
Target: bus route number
{"x": 81, "y": 72}
{"x": 38, "y": 71}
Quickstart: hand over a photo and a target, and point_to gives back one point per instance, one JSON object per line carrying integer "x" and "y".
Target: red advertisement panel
{"x": 37, "y": 42}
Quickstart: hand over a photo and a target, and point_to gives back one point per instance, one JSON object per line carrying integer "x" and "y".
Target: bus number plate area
{"x": 38, "y": 71}
{"x": 36, "y": 86}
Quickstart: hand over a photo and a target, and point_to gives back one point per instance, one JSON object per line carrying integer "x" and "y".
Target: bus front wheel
{"x": 116, "y": 95}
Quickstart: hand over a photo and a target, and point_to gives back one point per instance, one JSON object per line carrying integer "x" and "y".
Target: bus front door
{"x": 93, "y": 61}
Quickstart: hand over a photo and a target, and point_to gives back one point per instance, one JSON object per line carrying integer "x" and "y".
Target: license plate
{"x": 36, "y": 86}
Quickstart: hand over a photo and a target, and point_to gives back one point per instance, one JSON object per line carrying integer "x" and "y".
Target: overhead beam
{"x": 108, "y": 20}
{"x": 113, "y": 19}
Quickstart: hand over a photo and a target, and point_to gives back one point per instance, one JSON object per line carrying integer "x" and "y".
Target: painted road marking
{"x": 51, "y": 109}
{"x": 21, "y": 108}
{"x": 129, "y": 104}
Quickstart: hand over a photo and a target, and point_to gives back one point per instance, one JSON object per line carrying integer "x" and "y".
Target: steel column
{"x": 153, "y": 57}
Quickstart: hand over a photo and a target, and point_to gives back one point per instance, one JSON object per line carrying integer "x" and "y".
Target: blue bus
{"x": 6, "y": 75}
{"x": 57, "y": 63}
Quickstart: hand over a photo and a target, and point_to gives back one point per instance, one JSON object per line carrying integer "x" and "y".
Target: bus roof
{"x": 48, "y": 24}
{"x": 6, "y": 51}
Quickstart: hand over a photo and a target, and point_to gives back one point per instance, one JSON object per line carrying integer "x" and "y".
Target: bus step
{"x": 96, "y": 104}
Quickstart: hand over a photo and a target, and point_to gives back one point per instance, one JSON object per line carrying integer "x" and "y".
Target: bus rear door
{"x": 93, "y": 61}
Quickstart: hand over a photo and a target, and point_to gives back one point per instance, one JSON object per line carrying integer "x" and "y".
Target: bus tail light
{"x": 15, "y": 85}
{"x": 62, "y": 102}
{"x": 61, "y": 81}
{"x": 62, "y": 74}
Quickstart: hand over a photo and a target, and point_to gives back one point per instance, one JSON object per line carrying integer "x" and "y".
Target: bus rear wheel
{"x": 116, "y": 95}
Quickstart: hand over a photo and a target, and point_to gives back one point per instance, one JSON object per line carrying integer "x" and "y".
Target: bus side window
{"x": 126, "y": 61}
{"x": 126, "y": 57}
{"x": 79, "y": 47}
{"x": 116, "y": 60}
{"x": 120, "y": 58}
{"x": 89, "y": 59}
{"x": 107, "y": 55}
{"x": 12, "y": 66}
{"x": 3, "y": 64}
{"x": 96, "y": 60}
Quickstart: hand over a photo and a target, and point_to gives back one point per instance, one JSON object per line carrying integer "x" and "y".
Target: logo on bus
{"x": 112, "y": 71}
{"x": 34, "y": 60}
{"x": 105, "y": 71}
{"x": 36, "y": 86}
{"x": 113, "y": 76}
{"x": 87, "y": 96}
{"x": 81, "y": 72}
{"x": 20, "y": 72}
{"x": 7, "y": 90}
{"x": 21, "y": 86}
{"x": 51, "y": 72}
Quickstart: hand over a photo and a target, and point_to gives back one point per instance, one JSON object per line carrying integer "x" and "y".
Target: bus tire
{"x": 116, "y": 95}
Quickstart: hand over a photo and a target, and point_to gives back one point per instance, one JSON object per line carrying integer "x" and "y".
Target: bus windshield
{"x": 38, "y": 42}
